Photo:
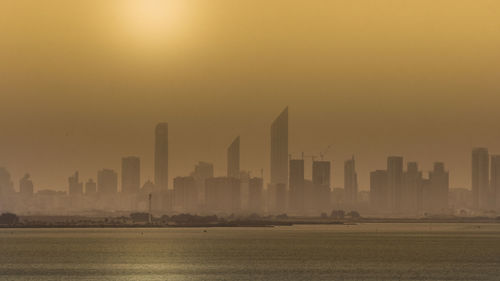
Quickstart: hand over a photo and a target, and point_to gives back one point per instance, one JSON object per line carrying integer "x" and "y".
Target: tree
{"x": 354, "y": 215}
{"x": 338, "y": 214}
{"x": 139, "y": 217}
{"x": 9, "y": 219}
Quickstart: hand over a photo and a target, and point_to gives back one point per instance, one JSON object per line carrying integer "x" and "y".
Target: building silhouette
{"x": 26, "y": 186}
{"x": 202, "y": 172}
{"x": 255, "y": 195}
{"x": 350, "y": 182}
{"x": 495, "y": 181}
{"x": 480, "y": 178}
{"x": 107, "y": 182}
{"x": 233, "y": 159}
{"x": 412, "y": 190}
{"x": 379, "y": 194}
{"x": 319, "y": 189}
{"x": 131, "y": 175}
{"x": 223, "y": 195}
{"x": 161, "y": 156}
{"x": 394, "y": 182}
{"x": 296, "y": 186}
{"x": 277, "y": 189}
{"x": 279, "y": 149}
{"x": 439, "y": 180}
{"x": 75, "y": 186}
{"x": 90, "y": 187}
{"x": 185, "y": 194}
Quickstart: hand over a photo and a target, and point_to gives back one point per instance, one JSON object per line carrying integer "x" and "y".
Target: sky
{"x": 83, "y": 83}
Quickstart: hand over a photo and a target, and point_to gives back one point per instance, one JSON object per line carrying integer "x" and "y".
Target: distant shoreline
{"x": 289, "y": 222}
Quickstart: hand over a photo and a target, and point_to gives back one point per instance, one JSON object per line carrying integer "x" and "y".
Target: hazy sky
{"x": 83, "y": 83}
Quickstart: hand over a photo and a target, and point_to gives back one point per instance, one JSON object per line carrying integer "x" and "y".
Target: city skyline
{"x": 339, "y": 178}
{"x": 426, "y": 88}
{"x": 394, "y": 191}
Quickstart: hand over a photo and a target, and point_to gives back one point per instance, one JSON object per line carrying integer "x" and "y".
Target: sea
{"x": 366, "y": 251}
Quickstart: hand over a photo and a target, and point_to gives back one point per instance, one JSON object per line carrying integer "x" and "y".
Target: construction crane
{"x": 323, "y": 153}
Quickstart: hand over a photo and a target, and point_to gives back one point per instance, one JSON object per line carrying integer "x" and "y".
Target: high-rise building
{"x": 394, "y": 182}
{"x": 480, "y": 178}
{"x": 319, "y": 191}
{"x": 26, "y": 186}
{"x": 379, "y": 197}
{"x": 131, "y": 175}
{"x": 161, "y": 156}
{"x": 321, "y": 171}
{"x": 233, "y": 159}
{"x": 223, "y": 195}
{"x": 411, "y": 188}
{"x": 350, "y": 182}
{"x": 296, "y": 185}
{"x": 107, "y": 182}
{"x": 75, "y": 186}
{"x": 185, "y": 194}
{"x": 255, "y": 195}
{"x": 495, "y": 180}
{"x": 202, "y": 172}
{"x": 439, "y": 180}
{"x": 90, "y": 187}
{"x": 279, "y": 149}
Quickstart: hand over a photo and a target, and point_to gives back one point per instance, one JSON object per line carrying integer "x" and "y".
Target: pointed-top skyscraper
{"x": 161, "y": 156}
{"x": 279, "y": 149}
{"x": 233, "y": 159}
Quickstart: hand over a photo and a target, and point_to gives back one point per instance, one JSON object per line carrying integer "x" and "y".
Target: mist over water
{"x": 340, "y": 252}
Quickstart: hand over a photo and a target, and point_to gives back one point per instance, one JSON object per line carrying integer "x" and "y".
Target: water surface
{"x": 331, "y": 252}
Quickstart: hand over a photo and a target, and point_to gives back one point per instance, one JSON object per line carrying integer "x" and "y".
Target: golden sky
{"x": 83, "y": 83}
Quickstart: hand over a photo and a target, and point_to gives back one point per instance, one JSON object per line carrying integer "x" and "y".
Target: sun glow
{"x": 151, "y": 22}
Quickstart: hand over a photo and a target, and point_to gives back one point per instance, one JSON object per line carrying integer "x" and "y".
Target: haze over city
{"x": 279, "y": 140}
{"x": 84, "y": 84}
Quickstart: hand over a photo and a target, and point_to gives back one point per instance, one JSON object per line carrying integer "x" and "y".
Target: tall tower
{"x": 480, "y": 177}
{"x": 75, "y": 186}
{"x": 161, "y": 156}
{"x": 279, "y": 149}
{"x": 131, "y": 174}
{"x": 394, "y": 182}
{"x": 296, "y": 185}
{"x": 495, "y": 179}
{"x": 233, "y": 159}
{"x": 350, "y": 181}
{"x": 440, "y": 179}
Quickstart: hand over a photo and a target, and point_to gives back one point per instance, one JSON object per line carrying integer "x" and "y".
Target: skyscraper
{"x": 90, "y": 187}
{"x": 394, "y": 182}
{"x": 202, "y": 172}
{"x": 131, "y": 174}
{"x": 495, "y": 180}
{"x": 161, "y": 156}
{"x": 75, "y": 186}
{"x": 350, "y": 181}
{"x": 480, "y": 178}
{"x": 185, "y": 194}
{"x": 255, "y": 196}
{"x": 26, "y": 186}
{"x": 439, "y": 188}
{"x": 412, "y": 179}
{"x": 279, "y": 149}
{"x": 296, "y": 185}
{"x": 318, "y": 191}
{"x": 107, "y": 182}
{"x": 233, "y": 159}
{"x": 378, "y": 191}
{"x": 223, "y": 194}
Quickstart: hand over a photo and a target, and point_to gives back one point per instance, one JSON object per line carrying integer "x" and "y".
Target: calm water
{"x": 357, "y": 252}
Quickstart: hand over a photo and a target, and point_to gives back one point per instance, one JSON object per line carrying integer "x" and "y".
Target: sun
{"x": 153, "y": 21}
